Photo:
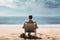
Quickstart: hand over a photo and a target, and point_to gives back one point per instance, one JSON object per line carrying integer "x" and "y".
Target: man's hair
{"x": 30, "y": 16}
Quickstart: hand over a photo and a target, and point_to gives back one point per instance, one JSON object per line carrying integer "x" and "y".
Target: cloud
{"x": 24, "y": 4}
{"x": 7, "y": 3}
{"x": 35, "y": 7}
{"x": 52, "y": 3}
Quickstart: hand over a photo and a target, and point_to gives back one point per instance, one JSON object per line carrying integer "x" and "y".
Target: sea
{"x": 40, "y": 20}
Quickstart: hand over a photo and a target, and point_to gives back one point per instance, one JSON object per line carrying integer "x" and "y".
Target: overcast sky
{"x": 26, "y": 7}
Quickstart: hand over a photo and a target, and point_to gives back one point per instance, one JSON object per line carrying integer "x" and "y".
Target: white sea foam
{"x": 43, "y": 26}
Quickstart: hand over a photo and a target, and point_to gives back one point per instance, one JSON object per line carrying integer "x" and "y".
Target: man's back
{"x": 30, "y": 27}
{"x": 29, "y": 23}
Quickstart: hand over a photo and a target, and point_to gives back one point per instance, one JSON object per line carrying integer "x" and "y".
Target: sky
{"x": 27, "y": 7}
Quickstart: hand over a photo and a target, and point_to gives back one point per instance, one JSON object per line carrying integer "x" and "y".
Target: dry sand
{"x": 13, "y": 33}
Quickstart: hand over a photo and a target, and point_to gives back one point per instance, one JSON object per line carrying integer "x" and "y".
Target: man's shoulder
{"x": 34, "y": 21}
{"x": 30, "y": 22}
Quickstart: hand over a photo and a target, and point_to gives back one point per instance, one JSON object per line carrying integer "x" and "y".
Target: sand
{"x": 14, "y": 32}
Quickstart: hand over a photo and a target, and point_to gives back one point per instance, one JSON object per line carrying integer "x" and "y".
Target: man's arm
{"x": 36, "y": 25}
{"x": 23, "y": 26}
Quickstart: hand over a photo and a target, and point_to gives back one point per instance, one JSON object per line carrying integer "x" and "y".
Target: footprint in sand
{"x": 4, "y": 38}
{"x": 13, "y": 34}
{"x": 43, "y": 36}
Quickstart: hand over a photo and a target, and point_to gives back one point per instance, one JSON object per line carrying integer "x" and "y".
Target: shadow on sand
{"x": 30, "y": 37}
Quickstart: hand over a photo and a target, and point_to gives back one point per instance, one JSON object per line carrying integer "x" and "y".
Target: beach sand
{"x": 13, "y": 33}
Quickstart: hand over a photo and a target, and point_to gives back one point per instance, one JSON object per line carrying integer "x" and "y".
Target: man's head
{"x": 30, "y": 16}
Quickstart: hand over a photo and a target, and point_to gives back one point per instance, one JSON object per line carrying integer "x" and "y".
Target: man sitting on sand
{"x": 30, "y": 21}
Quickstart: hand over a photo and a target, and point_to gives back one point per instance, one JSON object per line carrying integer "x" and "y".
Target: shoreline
{"x": 39, "y": 26}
